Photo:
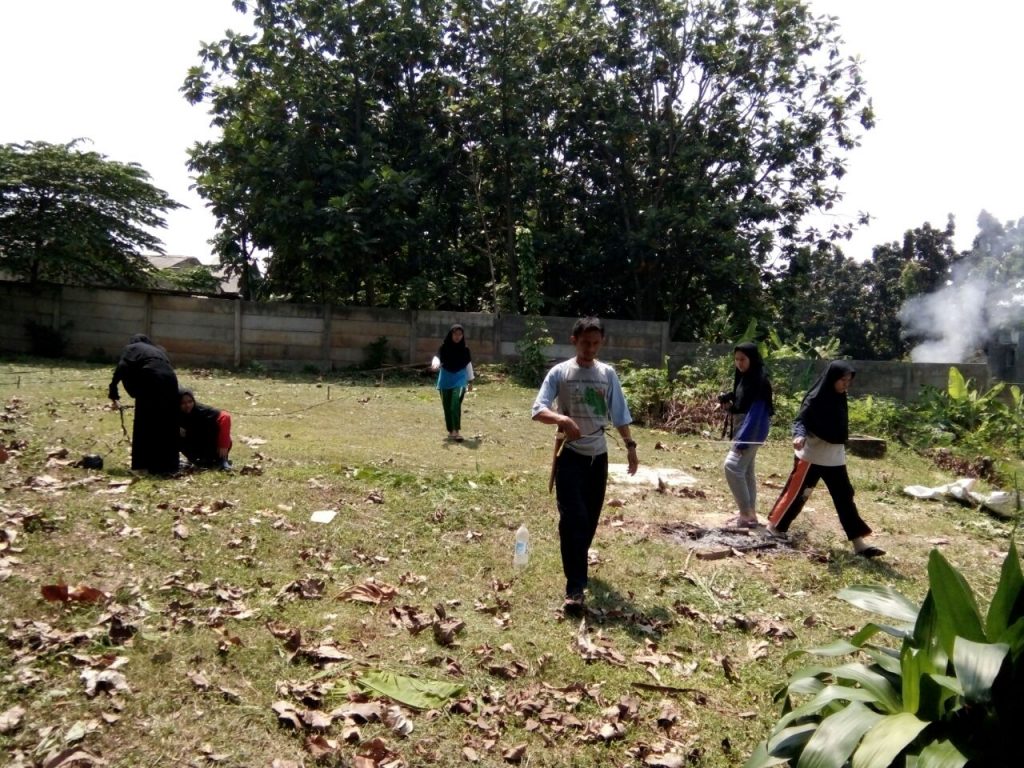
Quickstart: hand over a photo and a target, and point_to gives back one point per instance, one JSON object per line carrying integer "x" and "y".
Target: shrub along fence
{"x": 94, "y": 323}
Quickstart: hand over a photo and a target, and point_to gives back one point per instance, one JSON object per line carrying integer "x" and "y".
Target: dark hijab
{"x": 823, "y": 410}
{"x": 202, "y": 419}
{"x": 140, "y": 348}
{"x": 145, "y": 370}
{"x": 749, "y": 387}
{"x": 454, "y": 357}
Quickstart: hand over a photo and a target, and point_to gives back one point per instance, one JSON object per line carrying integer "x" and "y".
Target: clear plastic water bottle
{"x": 522, "y": 551}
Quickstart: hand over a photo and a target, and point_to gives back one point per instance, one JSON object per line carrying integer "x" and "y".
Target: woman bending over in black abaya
{"x": 148, "y": 376}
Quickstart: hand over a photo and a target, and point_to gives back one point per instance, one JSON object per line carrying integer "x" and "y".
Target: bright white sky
{"x": 945, "y": 85}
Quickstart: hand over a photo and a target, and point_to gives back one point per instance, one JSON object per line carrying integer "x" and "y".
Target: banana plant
{"x": 946, "y": 697}
{"x": 1017, "y": 398}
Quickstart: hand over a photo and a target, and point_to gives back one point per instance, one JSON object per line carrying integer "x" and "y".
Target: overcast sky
{"x": 945, "y": 86}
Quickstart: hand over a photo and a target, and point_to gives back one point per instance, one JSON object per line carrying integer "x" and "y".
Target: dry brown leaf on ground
{"x": 411, "y": 618}
{"x": 199, "y": 680}
{"x": 514, "y": 754}
{"x": 103, "y": 681}
{"x": 508, "y": 671}
{"x": 287, "y": 714}
{"x": 325, "y": 654}
{"x": 666, "y": 760}
{"x": 359, "y": 712}
{"x": 370, "y": 591}
{"x": 668, "y": 715}
{"x": 776, "y": 630}
{"x": 292, "y": 636}
{"x": 409, "y": 579}
{"x": 72, "y": 756}
{"x": 320, "y": 747}
{"x": 757, "y": 649}
{"x": 306, "y": 589}
{"x": 396, "y": 720}
{"x": 227, "y": 639}
{"x": 597, "y": 651}
{"x": 11, "y": 719}
{"x": 651, "y": 657}
{"x": 230, "y": 695}
{"x": 62, "y": 593}
{"x": 211, "y": 755}
{"x": 605, "y": 732}
{"x": 445, "y": 630}
{"x": 729, "y": 669}
{"x": 317, "y": 720}
{"x": 376, "y": 754}
{"x": 43, "y": 482}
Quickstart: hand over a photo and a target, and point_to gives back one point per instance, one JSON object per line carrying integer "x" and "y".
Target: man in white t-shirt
{"x": 582, "y": 396}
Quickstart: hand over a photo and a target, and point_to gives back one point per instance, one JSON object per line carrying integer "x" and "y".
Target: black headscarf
{"x": 454, "y": 357}
{"x": 200, "y": 428}
{"x": 141, "y": 365}
{"x": 824, "y": 411}
{"x": 140, "y": 348}
{"x": 749, "y": 387}
{"x": 199, "y": 413}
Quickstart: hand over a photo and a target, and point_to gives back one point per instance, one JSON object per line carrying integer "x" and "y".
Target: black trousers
{"x": 798, "y": 489}
{"x": 580, "y": 483}
{"x": 155, "y": 426}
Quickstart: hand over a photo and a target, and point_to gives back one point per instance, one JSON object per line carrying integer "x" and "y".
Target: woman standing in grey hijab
{"x": 750, "y": 409}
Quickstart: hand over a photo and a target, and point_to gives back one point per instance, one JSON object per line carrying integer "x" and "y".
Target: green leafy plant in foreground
{"x": 949, "y": 696}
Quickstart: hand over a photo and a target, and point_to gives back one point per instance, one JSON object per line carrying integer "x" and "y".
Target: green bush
{"x": 965, "y": 417}
{"x": 949, "y": 696}
{"x": 648, "y": 391}
{"x": 882, "y": 416}
{"x": 379, "y": 353}
{"x": 532, "y": 364}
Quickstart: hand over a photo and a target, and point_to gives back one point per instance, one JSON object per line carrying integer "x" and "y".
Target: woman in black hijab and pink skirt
{"x": 820, "y": 432}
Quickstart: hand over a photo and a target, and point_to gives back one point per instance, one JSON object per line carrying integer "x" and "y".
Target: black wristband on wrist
{"x": 630, "y": 443}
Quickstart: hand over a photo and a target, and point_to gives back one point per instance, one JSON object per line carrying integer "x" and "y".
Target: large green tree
{"x": 822, "y": 294}
{"x": 997, "y": 253}
{"x": 394, "y": 152}
{"x": 704, "y": 134}
{"x": 72, "y": 216}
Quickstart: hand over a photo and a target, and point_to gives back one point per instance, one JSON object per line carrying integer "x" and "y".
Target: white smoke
{"x": 958, "y": 320}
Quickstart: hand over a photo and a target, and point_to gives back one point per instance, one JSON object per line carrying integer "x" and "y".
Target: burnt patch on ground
{"x": 716, "y": 543}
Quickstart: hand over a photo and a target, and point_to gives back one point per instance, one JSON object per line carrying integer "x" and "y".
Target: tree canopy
{"x": 648, "y": 158}
{"x": 72, "y": 216}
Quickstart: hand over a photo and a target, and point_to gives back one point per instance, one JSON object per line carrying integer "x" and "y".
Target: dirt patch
{"x": 981, "y": 466}
{"x": 650, "y": 477}
{"x": 716, "y": 543}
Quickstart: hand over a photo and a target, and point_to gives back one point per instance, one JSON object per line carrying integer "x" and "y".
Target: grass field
{"x": 206, "y": 620}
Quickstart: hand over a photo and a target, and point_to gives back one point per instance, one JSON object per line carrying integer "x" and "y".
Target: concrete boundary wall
{"x": 228, "y": 332}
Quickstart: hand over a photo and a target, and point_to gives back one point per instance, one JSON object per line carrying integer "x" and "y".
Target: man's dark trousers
{"x": 580, "y": 483}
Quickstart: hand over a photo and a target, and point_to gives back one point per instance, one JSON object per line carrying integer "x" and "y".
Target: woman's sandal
{"x": 739, "y": 521}
{"x": 870, "y": 552}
